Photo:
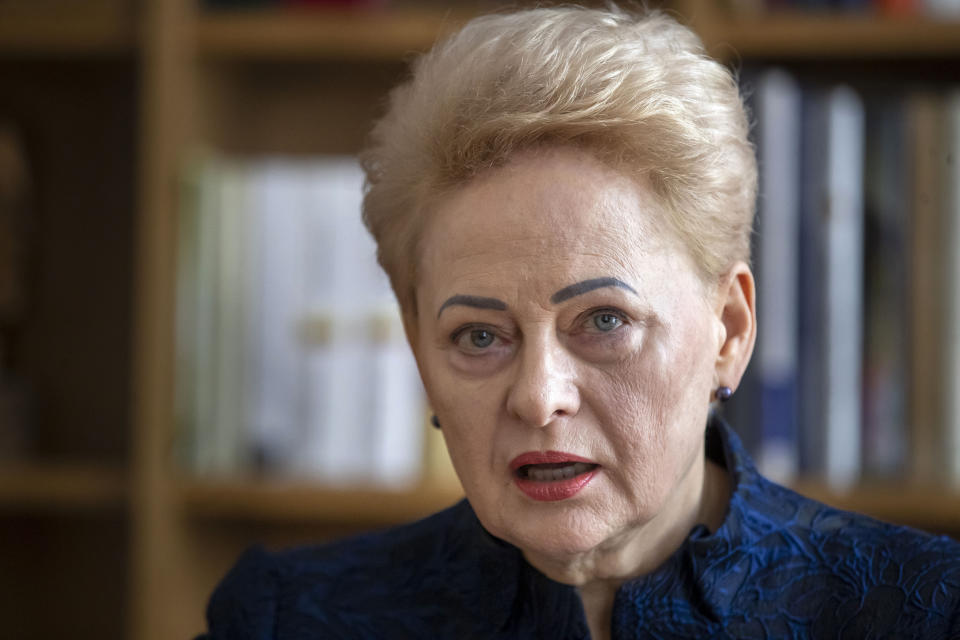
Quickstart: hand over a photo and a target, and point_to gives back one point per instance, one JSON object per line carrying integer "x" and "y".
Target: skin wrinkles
{"x": 634, "y": 399}
{"x": 576, "y": 289}
{"x": 478, "y": 302}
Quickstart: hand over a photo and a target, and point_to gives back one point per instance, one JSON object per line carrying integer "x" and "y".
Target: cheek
{"x": 467, "y": 413}
{"x": 659, "y": 400}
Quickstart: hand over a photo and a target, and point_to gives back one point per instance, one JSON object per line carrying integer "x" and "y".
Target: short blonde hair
{"x": 637, "y": 91}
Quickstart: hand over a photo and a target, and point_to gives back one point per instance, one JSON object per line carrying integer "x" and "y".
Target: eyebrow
{"x": 477, "y": 302}
{"x": 585, "y": 286}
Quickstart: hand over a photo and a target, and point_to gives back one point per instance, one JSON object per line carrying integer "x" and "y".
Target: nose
{"x": 544, "y": 387}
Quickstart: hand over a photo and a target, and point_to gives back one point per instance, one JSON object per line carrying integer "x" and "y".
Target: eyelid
{"x": 592, "y": 313}
{"x": 462, "y": 329}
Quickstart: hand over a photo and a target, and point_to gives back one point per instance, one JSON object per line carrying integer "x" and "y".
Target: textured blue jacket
{"x": 780, "y": 566}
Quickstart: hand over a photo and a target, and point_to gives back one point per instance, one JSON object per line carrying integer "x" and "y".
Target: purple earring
{"x": 723, "y": 393}
{"x": 435, "y": 421}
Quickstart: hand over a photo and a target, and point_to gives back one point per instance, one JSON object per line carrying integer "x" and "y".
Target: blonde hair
{"x": 636, "y": 91}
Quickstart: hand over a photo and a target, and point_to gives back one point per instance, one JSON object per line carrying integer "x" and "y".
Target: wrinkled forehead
{"x": 545, "y": 219}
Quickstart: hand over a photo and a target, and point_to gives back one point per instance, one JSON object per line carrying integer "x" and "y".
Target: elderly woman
{"x": 563, "y": 199}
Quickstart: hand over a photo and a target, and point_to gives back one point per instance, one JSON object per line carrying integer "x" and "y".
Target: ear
{"x": 737, "y": 314}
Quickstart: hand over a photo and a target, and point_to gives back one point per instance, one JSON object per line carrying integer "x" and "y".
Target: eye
{"x": 481, "y": 338}
{"x": 606, "y": 321}
{"x": 474, "y": 339}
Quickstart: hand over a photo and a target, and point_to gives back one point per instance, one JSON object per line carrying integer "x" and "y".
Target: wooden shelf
{"x": 279, "y": 500}
{"x": 291, "y": 34}
{"x": 48, "y": 487}
{"x": 934, "y": 508}
{"x": 392, "y": 35}
{"x": 818, "y": 36}
{"x": 26, "y": 33}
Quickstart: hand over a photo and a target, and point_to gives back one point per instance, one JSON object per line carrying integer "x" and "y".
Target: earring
{"x": 723, "y": 393}
{"x": 435, "y": 421}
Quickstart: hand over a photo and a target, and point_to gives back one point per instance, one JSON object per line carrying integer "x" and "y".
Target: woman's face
{"x": 568, "y": 347}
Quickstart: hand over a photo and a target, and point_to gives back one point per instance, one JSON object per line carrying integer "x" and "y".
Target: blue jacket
{"x": 780, "y": 566}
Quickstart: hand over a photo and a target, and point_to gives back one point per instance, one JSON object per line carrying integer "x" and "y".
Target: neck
{"x": 701, "y": 498}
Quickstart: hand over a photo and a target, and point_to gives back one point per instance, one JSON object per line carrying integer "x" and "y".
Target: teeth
{"x": 560, "y": 473}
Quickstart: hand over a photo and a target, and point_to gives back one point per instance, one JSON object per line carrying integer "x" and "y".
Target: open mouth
{"x": 554, "y": 471}
{"x": 549, "y": 476}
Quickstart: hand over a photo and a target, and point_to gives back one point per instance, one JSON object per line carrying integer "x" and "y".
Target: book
{"x": 810, "y": 312}
{"x": 277, "y": 413}
{"x": 951, "y": 292}
{"x": 229, "y": 447}
{"x": 843, "y": 279}
{"x": 291, "y": 356}
{"x": 778, "y": 101}
{"x": 886, "y": 250}
{"x": 927, "y": 308}
{"x": 205, "y": 311}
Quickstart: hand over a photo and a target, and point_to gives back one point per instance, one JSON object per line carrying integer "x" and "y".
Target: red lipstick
{"x": 549, "y": 476}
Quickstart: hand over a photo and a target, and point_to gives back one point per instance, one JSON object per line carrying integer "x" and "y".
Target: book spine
{"x": 811, "y": 287}
{"x": 951, "y": 293}
{"x": 187, "y": 314}
{"x": 887, "y": 231}
{"x": 229, "y": 438}
{"x": 926, "y": 279}
{"x": 778, "y": 103}
{"x": 844, "y": 282}
{"x": 207, "y": 312}
{"x": 277, "y": 420}
{"x": 398, "y": 405}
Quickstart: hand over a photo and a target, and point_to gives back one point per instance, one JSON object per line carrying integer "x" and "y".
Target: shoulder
{"x": 359, "y": 584}
{"x": 843, "y": 570}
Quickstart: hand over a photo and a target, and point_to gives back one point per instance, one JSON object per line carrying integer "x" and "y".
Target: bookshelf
{"x": 106, "y": 511}
{"x": 32, "y": 33}
{"x": 46, "y": 488}
{"x": 289, "y": 501}
{"x": 797, "y": 36}
{"x": 341, "y": 35}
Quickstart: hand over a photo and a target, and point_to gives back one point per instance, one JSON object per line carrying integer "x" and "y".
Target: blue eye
{"x": 481, "y": 338}
{"x": 606, "y": 321}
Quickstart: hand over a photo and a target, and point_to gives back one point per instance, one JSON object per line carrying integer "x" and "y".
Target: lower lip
{"x": 555, "y": 490}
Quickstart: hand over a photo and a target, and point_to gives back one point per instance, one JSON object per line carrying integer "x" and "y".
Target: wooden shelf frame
{"x": 61, "y": 487}
{"x": 395, "y": 34}
{"x": 292, "y": 501}
{"x": 822, "y": 36}
{"x": 929, "y": 507}
{"x": 330, "y": 34}
{"x": 94, "y": 34}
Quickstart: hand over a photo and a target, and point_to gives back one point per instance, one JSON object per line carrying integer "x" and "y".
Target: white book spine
{"x": 398, "y": 402}
{"x": 341, "y": 414}
{"x": 778, "y": 103}
{"x": 844, "y": 283}
{"x": 278, "y": 407}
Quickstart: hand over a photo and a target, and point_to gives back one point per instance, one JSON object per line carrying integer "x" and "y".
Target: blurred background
{"x": 197, "y": 351}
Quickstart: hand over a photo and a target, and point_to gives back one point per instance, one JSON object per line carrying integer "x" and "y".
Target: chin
{"x": 554, "y": 531}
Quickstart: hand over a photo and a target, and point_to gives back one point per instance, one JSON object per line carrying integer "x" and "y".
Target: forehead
{"x": 552, "y": 217}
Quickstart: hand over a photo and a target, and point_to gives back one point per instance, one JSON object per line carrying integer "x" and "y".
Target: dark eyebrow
{"x": 588, "y": 285}
{"x": 477, "y": 302}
